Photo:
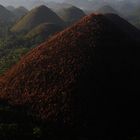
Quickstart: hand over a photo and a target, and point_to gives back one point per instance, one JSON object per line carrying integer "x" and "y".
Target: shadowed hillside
{"x": 83, "y": 80}
{"x": 37, "y": 16}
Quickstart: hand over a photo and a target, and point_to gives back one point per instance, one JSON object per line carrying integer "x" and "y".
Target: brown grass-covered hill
{"x": 35, "y": 17}
{"x": 71, "y": 14}
{"x": 85, "y": 77}
{"x": 44, "y": 30}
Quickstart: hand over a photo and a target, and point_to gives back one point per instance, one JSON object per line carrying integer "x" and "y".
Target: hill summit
{"x": 35, "y": 17}
{"x": 82, "y": 78}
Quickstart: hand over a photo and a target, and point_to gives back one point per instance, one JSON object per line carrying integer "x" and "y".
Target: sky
{"x": 8, "y": 2}
{"x": 21, "y": 2}
{"x": 28, "y": 2}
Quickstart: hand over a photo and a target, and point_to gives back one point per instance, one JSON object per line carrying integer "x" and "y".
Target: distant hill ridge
{"x": 36, "y": 16}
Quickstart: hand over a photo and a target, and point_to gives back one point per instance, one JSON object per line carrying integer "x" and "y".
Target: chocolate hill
{"x": 85, "y": 78}
{"x": 44, "y": 30}
{"x": 35, "y": 17}
{"x": 71, "y": 14}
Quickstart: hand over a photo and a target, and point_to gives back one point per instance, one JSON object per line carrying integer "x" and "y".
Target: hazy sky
{"x": 17, "y": 2}
{"x": 7, "y": 2}
{"x": 28, "y": 2}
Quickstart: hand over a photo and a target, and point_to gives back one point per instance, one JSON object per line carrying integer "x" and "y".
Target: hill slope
{"x": 85, "y": 77}
{"x": 44, "y": 30}
{"x": 35, "y": 17}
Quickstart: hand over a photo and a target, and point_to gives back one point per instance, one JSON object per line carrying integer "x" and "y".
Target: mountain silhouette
{"x": 84, "y": 79}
